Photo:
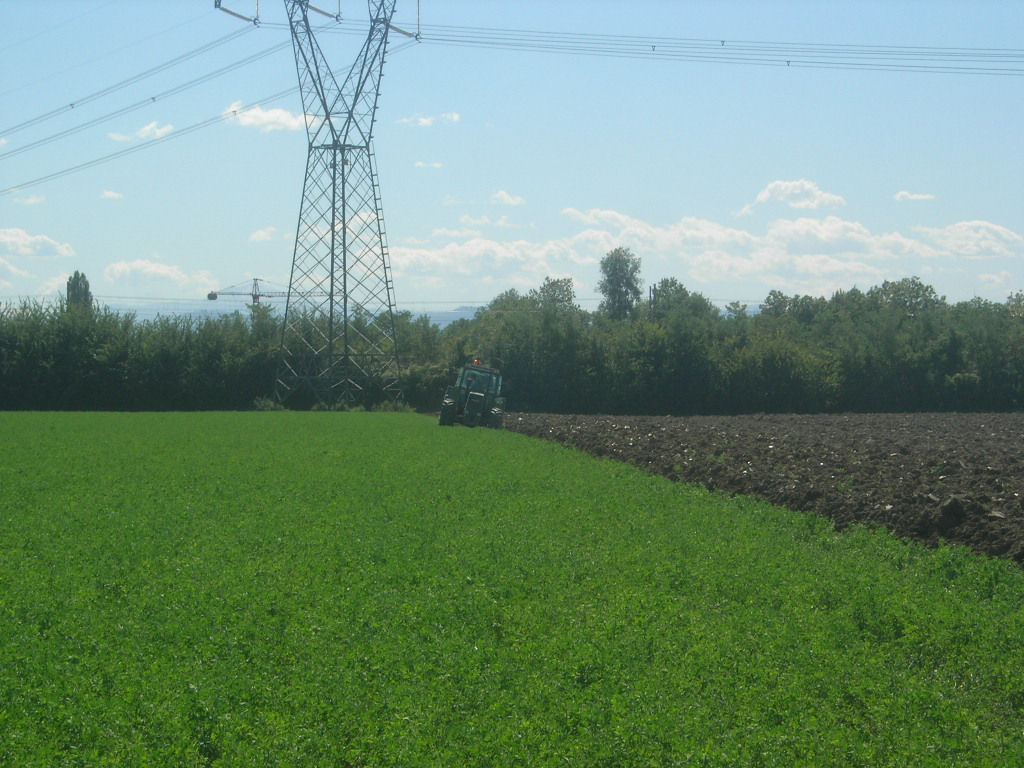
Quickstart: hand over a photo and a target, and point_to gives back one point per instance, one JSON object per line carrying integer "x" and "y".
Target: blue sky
{"x": 500, "y": 167}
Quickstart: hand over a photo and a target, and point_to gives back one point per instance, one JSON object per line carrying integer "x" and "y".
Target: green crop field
{"x": 350, "y": 589}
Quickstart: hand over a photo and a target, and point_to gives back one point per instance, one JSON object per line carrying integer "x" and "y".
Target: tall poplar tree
{"x": 78, "y": 293}
{"x": 620, "y": 283}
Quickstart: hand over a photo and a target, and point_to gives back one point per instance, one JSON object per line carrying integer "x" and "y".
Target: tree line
{"x": 896, "y": 347}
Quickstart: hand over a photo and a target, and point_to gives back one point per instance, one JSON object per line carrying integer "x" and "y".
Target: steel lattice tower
{"x": 338, "y": 344}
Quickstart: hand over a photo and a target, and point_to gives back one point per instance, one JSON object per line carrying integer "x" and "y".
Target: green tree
{"x": 670, "y": 298}
{"x": 736, "y": 311}
{"x": 908, "y": 295}
{"x": 419, "y": 338}
{"x": 775, "y": 305}
{"x": 538, "y": 340}
{"x": 620, "y": 283}
{"x": 78, "y": 293}
{"x": 1015, "y": 304}
{"x": 555, "y": 295}
{"x": 637, "y": 376}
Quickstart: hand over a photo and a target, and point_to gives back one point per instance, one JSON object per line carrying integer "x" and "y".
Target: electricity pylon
{"x": 338, "y": 345}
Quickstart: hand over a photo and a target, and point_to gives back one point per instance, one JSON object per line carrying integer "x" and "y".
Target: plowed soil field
{"x": 933, "y": 476}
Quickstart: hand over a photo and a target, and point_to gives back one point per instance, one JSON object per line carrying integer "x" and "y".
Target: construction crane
{"x": 256, "y": 293}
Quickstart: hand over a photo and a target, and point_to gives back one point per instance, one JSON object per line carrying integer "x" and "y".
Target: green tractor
{"x": 474, "y": 399}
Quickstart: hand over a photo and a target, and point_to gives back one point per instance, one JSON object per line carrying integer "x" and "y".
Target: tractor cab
{"x": 476, "y": 378}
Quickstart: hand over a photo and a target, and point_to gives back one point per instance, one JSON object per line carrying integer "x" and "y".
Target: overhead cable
{"x": 227, "y": 115}
{"x": 971, "y": 61}
{"x": 63, "y": 23}
{"x": 106, "y": 53}
{"x": 124, "y": 83}
{"x": 924, "y": 59}
{"x": 147, "y": 101}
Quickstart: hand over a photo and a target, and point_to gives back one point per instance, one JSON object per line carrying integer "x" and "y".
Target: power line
{"x": 991, "y": 61}
{"x": 175, "y": 134}
{"x": 944, "y": 60}
{"x": 887, "y": 58}
{"x": 941, "y": 60}
{"x": 124, "y": 83}
{"x": 64, "y": 23}
{"x": 105, "y": 54}
{"x": 147, "y": 101}
{"x": 146, "y": 145}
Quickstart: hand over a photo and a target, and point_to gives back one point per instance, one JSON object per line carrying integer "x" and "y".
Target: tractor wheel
{"x": 447, "y": 417}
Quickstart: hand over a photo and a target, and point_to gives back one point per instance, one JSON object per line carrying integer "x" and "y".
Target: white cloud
{"x": 3, "y": 142}
{"x": 30, "y": 200}
{"x": 796, "y": 194}
{"x": 262, "y": 235}
{"x": 11, "y": 269}
{"x": 609, "y": 229}
{"x": 110, "y": 195}
{"x": 265, "y": 119}
{"x": 1000, "y": 280}
{"x": 18, "y": 242}
{"x": 422, "y": 164}
{"x": 974, "y": 239}
{"x": 815, "y": 253}
{"x": 422, "y": 122}
{"x": 53, "y": 285}
{"x": 838, "y": 237}
{"x": 479, "y": 257}
{"x": 154, "y": 131}
{"x": 425, "y": 121}
{"x": 504, "y": 198}
{"x": 142, "y": 274}
{"x": 147, "y": 132}
{"x": 904, "y": 195}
